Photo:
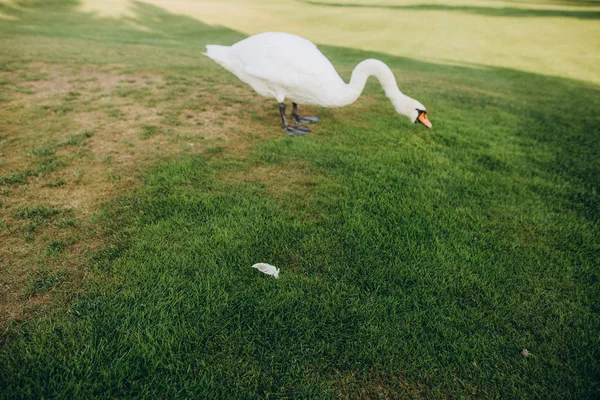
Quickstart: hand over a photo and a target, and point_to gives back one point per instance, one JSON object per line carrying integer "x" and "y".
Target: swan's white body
{"x": 285, "y": 66}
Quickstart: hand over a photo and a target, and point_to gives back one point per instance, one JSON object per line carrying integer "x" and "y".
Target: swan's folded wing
{"x": 287, "y": 66}
{"x": 286, "y": 77}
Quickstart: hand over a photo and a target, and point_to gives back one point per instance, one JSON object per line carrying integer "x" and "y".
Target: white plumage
{"x": 267, "y": 269}
{"x": 285, "y": 66}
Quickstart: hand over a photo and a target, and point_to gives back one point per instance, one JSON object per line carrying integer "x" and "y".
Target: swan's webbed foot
{"x": 291, "y": 130}
{"x": 305, "y": 120}
{"x": 300, "y": 119}
{"x": 296, "y": 130}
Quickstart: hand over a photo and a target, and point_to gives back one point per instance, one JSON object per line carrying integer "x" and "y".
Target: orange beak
{"x": 423, "y": 119}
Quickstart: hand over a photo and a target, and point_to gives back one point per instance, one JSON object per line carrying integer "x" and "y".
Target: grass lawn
{"x": 549, "y": 37}
{"x": 139, "y": 182}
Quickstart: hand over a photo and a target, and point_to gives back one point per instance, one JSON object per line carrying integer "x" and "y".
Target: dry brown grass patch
{"x": 73, "y": 138}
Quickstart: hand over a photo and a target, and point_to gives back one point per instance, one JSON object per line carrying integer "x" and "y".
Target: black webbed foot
{"x": 299, "y": 119}
{"x": 291, "y": 130}
{"x": 305, "y": 120}
{"x": 296, "y": 130}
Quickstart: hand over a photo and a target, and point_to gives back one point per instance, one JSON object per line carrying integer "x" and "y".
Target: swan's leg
{"x": 291, "y": 130}
{"x": 300, "y": 119}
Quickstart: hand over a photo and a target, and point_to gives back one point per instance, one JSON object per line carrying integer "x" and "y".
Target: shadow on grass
{"x": 151, "y": 24}
{"x": 487, "y": 11}
{"x": 424, "y": 270}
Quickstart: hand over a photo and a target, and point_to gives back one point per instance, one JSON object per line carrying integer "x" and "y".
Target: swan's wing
{"x": 279, "y": 76}
{"x": 284, "y": 60}
{"x": 267, "y": 269}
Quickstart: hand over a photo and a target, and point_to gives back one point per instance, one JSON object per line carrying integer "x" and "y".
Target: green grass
{"x": 414, "y": 263}
{"x": 57, "y": 183}
{"x": 15, "y": 178}
{"x": 43, "y": 151}
{"x": 59, "y": 109}
{"x": 38, "y": 213}
{"x": 149, "y": 130}
{"x": 43, "y": 282}
{"x": 514, "y": 34}
{"x": 77, "y": 139}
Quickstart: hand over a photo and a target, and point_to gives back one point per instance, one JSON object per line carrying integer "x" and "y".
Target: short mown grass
{"x": 414, "y": 263}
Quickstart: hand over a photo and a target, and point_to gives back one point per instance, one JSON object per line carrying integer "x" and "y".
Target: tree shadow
{"x": 143, "y": 24}
{"x": 513, "y": 12}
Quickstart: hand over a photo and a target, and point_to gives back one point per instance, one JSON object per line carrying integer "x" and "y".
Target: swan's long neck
{"x": 384, "y": 75}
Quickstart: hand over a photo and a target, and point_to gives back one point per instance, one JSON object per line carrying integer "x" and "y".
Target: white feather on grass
{"x": 267, "y": 269}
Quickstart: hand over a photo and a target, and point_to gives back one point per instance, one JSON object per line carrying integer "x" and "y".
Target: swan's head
{"x": 413, "y": 109}
{"x": 420, "y": 115}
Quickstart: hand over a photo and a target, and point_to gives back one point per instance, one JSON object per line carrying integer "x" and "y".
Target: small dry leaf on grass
{"x": 525, "y": 353}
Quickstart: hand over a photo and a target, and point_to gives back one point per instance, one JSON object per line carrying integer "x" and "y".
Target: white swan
{"x": 286, "y": 66}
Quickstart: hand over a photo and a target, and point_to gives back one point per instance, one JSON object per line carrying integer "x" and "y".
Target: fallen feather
{"x": 267, "y": 269}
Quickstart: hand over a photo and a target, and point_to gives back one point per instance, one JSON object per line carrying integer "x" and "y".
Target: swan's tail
{"x": 220, "y": 54}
